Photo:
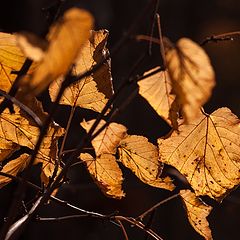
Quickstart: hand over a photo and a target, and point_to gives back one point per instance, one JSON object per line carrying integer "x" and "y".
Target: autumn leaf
{"x": 206, "y": 152}
{"x": 141, "y": 156}
{"x": 156, "y": 89}
{"x": 67, "y": 37}
{"x": 93, "y": 91}
{"x": 108, "y": 140}
{"x": 11, "y": 60}
{"x": 197, "y": 212}
{"x": 192, "y": 76}
{"x": 13, "y": 167}
{"x": 17, "y": 130}
{"x": 106, "y": 172}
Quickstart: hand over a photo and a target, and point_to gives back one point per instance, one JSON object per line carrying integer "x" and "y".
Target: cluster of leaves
{"x": 202, "y": 147}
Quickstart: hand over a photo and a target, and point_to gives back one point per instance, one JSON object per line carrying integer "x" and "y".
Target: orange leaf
{"x": 192, "y": 76}
{"x": 141, "y": 156}
{"x": 197, "y": 212}
{"x": 66, "y": 39}
{"x": 156, "y": 89}
{"x": 106, "y": 172}
{"x": 206, "y": 152}
{"x": 108, "y": 140}
{"x": 93, "y": 91}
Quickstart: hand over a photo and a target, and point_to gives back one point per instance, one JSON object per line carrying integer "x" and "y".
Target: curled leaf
{"x": 206, "y": 152}
{"x": 197, "y": 212}
{"x": 141, "y": 156}
{"x": 67, "y": 36}
{"x": 192, "y": 76}
{"x": 31, "y": 45}
{"x": 106, "y": 172}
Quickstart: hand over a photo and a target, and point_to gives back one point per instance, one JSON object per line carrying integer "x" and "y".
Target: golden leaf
{"x": 156, "y": 89}
{"x": 93, "y": 91}
{"x": 206, "y": 152}
{"x": 192, "y": 76}
{"x": 106, "y": 172}
{"x": 197, "y": 212}
{"x": 17, "y": 130}
{"x": 108, "y": 140}
{"x": 141, "y": 156}
{"x": 13, "y": 167}
{"x": 11, "y": 60}
{"x": 66, "y": 38}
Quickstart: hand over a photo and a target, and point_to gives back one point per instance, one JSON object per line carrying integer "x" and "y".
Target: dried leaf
{"x": 13, "y": 167}
{"x": 11, "y": 60}
{"x": 206, "y": 152}
{"x": 108, "y": 140}
{"x": 31, "y": 45}
{"x": 93, "y": 91}
{"x": 106, "y": 172}
{"x": 17, "y": 130}
{"x": 156, "y": 89}
{"x": 197, "y": 212}
{"x": 66, "y": 38}
{"x": 192, "y": 76}
{"x": 141, "y": 156}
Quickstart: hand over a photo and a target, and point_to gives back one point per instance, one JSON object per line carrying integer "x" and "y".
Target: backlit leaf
{"x": 11, "y": 60}
{"x": 192, "y": 76}
{"x": 17, "y": 130}
{"x": 93, "y": 91}
{"x": 108, "y": 139}
{"x": 141, "y": 156}
{"x": 106, "y": 172}
{"x": 197, "y": 212}
{"x": 156, "y": 89}
{"x": 67, "y": 36}
{"x": 13, "y": 167}
{"x": 206, "y": 152}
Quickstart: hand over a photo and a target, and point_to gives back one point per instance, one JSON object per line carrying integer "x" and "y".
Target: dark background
{"x": 179, "y": 18}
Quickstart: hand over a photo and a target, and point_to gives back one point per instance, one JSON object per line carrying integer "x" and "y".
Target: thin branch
{"x": 162, "y": 50}
{"x": 229, "y": 36}
{"x": 144, "y": 214}
{"x": 24, "y": 69}
{"x": 139, "y": 225}
{"x": 123, "y": 230}
{"x": 152, "y": 27}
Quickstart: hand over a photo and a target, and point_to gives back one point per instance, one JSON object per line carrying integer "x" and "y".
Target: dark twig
{"x": 141, "y": 216}
{"x": 229, "y": 36}
{"x": 24, "y": 69}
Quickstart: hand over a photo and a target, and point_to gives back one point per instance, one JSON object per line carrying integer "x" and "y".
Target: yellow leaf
{"x": 206, "y": 152}
{"x": 17, "y": 130}
{"x": 106, "y": 172}
{"x": 192, "y": 76}
{"x": 197, "y": 212}
{"x": 66, "y": 39}
{"x": 156, "y": 89}
{"x": 108, "y": 140}
{"x": 13, "y": 167}
{"x": 11, "y": 59}
{"x": 93, "y": 91}
{"x": 141, "y": 156}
